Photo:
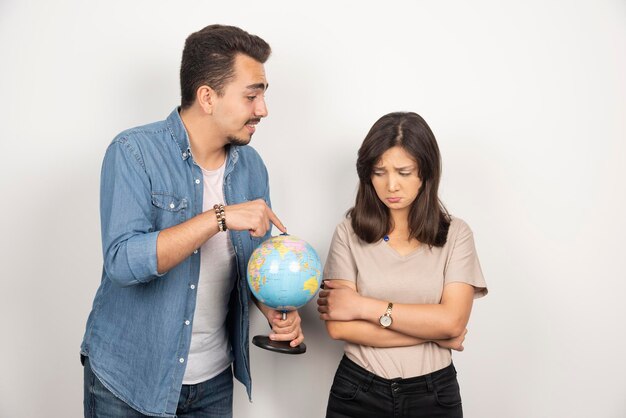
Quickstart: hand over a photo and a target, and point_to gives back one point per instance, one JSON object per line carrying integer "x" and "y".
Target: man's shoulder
{"x": 144, "y": 134}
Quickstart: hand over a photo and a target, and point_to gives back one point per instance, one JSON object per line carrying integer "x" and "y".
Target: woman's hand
{"x": 338, "y": 301}
{"x": 455, "y": 343}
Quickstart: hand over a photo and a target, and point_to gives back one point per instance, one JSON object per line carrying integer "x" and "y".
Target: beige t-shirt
{"x": 418, "y": 278}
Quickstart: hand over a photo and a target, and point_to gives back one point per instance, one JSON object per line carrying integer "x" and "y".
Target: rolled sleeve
{"x": 142, "y": 256}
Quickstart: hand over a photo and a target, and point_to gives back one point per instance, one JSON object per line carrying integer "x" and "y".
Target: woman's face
{"x": 395, "y": 179}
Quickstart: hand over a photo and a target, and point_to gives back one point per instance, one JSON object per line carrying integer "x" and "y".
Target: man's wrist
{"x": 220, "y": 214}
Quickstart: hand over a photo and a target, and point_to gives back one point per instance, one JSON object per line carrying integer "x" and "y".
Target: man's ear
{"x": 205, "y": 96}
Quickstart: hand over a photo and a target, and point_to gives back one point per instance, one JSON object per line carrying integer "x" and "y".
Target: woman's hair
{"x": 429, "y": 220}
{"x": 209, "y": 57}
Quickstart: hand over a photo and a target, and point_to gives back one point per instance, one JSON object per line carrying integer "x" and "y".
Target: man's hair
{"x": 428, "y": 219}
{"x": 209, "y": 57}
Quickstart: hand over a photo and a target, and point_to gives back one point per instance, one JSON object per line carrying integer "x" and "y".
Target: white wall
{"x": 527, "y": 100}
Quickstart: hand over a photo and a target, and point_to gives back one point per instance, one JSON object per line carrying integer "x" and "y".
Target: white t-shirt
{"x": 210, "y": 351}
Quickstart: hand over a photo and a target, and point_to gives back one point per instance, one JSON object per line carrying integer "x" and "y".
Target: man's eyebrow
{"x": 258, "y": 86}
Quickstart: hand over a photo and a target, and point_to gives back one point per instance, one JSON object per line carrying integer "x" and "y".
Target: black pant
{"x": 360, "y": 394}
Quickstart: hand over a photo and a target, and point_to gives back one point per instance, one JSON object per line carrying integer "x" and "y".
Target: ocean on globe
{"x": 284, "y": 272}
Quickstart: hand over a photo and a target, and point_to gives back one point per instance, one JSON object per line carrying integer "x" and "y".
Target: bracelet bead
{"x": 221, "y": 216}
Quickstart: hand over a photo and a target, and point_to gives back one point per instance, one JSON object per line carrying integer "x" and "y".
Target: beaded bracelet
{"x": 221, "y": 217}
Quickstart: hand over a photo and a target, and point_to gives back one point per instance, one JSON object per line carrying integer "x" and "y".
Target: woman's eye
{"x": 251, "y": 98}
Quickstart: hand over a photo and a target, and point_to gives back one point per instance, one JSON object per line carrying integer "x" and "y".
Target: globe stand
{"x": 283, "y": 347}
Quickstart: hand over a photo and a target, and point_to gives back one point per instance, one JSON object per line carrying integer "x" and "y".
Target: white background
{"x": 527, "y": 101}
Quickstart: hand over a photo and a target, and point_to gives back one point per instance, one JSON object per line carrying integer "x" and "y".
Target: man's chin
{"x": 233, "y": 140}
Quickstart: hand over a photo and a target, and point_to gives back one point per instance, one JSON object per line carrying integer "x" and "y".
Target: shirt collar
{"x": 179, "y": 135}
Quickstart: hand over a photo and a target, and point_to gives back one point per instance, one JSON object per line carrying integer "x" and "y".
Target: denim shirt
{"x": 139, "y": 330}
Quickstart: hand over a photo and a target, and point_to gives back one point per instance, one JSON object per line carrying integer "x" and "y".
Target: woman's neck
{"x": 400, "y": 227}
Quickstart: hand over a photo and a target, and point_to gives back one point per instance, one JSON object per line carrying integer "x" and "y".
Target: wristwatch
{"x": 386, "y": 320}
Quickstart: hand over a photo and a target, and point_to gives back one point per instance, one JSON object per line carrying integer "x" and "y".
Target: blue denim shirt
{"x": 139, "y": 330}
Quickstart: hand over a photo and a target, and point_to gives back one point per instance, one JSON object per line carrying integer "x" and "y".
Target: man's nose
{"x": 261, "y": 108}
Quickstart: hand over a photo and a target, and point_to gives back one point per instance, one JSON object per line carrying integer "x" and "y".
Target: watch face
{"x": 385, "y": 320}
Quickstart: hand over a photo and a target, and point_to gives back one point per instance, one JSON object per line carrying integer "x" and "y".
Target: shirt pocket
{"x": 170, "y": 209}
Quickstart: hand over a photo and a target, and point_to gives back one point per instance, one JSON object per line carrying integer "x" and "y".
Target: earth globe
{"x": 284, "y": 273}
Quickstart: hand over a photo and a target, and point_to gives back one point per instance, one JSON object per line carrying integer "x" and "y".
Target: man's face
{"x": 241, "y": 107}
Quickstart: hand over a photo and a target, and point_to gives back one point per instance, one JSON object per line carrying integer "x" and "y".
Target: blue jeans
{"x": 213, "y": 398}
{"x": 360, "y": 394}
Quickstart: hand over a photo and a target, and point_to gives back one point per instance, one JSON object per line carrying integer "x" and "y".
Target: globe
{"x": 284, "y": 272}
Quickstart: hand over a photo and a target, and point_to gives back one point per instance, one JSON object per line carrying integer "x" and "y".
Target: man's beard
{"x": 233, "y": 140}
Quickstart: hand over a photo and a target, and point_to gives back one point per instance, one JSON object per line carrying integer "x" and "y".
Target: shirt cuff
{"x": 141, "y": 251}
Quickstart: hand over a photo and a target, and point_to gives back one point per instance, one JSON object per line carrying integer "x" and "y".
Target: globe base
{"x": 283, "y": 347}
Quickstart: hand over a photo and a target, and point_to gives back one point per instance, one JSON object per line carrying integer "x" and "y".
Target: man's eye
{"x": 251, "y": 98}
{"x": 405, "y": 173}
{"x": 377, "y": 173}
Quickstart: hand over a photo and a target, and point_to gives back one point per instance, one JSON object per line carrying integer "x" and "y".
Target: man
{"x": 183, "y": 203}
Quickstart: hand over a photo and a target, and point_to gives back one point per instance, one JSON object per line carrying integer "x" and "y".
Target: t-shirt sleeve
{"x": 340, "y": 262}
{"x": 463, "y": 265}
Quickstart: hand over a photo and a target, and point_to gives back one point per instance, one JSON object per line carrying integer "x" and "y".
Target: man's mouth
{"x": 251, "y": 125}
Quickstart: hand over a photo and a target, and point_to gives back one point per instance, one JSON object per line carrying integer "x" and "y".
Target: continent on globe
{"x": 284, "y": 272}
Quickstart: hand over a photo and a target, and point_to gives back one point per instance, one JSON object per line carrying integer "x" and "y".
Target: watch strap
{"x": 389, "y": 307}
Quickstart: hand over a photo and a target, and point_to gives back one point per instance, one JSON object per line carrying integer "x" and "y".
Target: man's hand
{"x": 453, "y": 343}
{"x": 254, "y": 216}
{"x": 285, "y": 330}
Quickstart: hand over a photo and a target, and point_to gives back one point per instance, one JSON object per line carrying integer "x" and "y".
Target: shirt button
{"x": 195, "y": 251}
{"x": 172, "y": 206}
{"x": 193, "y": 286}
{"x": 187, "y": 322}
{"x": 182, "y": 360}
{"x": 184, "y": 155}
{"x": 197, "y": 181}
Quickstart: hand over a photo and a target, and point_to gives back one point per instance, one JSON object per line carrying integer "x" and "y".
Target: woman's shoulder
{"x": 458, "y": 228}
{"x": 456, "y": 222}
{"x": 345, "y": 232}
{"x": 345, "y": 227}
{"x": 345, "y": 223}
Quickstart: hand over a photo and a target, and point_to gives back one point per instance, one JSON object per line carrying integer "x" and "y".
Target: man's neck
{"x": 207, "y": 148}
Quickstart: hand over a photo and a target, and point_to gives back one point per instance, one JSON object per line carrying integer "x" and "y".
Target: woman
{"x": 400, "y": 279}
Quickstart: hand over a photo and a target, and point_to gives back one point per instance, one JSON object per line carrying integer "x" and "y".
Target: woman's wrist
{"x": 370, "y": 309}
